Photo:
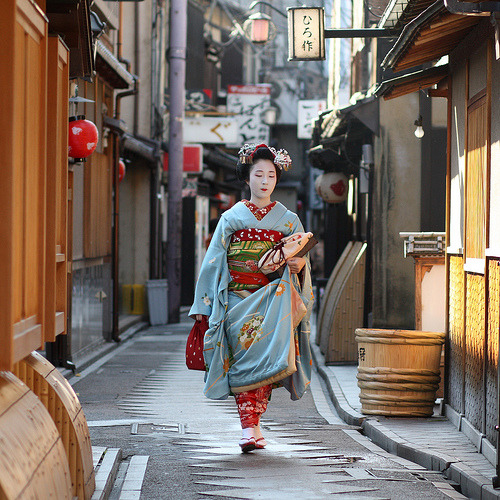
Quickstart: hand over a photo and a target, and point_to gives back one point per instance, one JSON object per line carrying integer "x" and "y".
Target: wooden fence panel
{"x": 22, "y": 188}
{"x": 456, "y": 333}
{"x": 475, "y": 349}
{"x": 492, "y": 350}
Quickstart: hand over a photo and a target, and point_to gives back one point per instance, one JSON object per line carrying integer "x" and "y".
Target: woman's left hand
{"x": 296, "y": 264}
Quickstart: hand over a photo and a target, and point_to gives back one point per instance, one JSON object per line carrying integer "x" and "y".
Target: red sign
{"x": 192, "y": 160}
{"x": 259, "y": 88}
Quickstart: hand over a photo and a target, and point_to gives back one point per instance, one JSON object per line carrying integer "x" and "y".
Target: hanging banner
{"x": 249, "y": 102}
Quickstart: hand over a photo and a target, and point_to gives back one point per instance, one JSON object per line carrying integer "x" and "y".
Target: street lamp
{"x": 306, "y": 31}
{"x": 259, "y": 28}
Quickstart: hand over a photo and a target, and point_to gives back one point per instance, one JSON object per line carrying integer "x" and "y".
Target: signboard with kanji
{"x": 249, "y": 102}
{"x": 308, "y": 110}
{"x": 306, "y": 33}
{"x": 211, "y": 130}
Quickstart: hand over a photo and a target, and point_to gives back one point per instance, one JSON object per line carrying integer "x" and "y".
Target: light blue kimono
{"x": 250, "y": 340}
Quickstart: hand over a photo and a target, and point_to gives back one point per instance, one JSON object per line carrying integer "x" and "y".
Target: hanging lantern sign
{"x": 332, "y": 187}
{"x": 259, "y": 28}
{"x": 83, "y": 137}
{"x": 121, "y": 170}
{"x": 306, "y": 34}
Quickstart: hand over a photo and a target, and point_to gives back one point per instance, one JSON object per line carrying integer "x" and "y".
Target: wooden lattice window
{"x": 476, "y": 179}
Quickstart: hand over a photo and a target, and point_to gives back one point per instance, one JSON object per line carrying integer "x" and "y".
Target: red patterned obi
{"x": 246, "y": 248}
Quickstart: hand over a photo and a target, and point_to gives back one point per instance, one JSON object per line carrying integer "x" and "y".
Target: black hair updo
{"x": 243, "y": 169}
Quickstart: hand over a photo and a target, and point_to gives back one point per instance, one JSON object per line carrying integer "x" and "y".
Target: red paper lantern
{"x": 332, "y": 187}
{"x": 83, "y": 137}
{"x": 121, "y": 170}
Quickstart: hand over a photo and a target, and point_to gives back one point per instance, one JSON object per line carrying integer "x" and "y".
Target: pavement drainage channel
{"x": 129, "y": 478}
{"x": 150, "y": 428}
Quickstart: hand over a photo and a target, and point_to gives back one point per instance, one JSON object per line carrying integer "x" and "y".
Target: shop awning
{"x": 412, "y": 82}
{"x": 399, "y": 13}
{"x": 340, "y": 133}
{"x": 430, "y": 36}
{"x": 218, "y": 158}
{"x": 148, "y": 149}
{"x": 335, "y": 122}
{"x": 111, "y": 69}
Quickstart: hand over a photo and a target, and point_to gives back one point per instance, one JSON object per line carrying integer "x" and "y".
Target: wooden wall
{"x": 33, "y": 185}
{"x": 98, "y": 179}
{"x": 474, "y": 276}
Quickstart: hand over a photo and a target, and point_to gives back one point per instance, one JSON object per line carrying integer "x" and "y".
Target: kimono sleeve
{"x": 304, "y": 276}
{"x": 297, "y": 226}
{"x": 210, "y": 272}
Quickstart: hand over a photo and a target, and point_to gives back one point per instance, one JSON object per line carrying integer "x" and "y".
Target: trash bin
{"x": 398, "y": 371}
{"x": 157, "y": 292}
{"x": 134, "y": 299}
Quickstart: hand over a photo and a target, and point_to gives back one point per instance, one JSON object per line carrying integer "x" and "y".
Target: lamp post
{"x": 177, "y": 78}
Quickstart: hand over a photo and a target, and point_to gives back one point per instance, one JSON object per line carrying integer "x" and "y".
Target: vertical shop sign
{"x": 309, "y": 110}
{"x": 249, "y": 102}
{"x": 306, "y": 34}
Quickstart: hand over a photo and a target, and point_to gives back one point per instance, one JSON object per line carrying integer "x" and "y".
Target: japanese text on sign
{"x": 306, "y": 33}
{"x": 249, "y": 102}
{"x": 308, "y": 111}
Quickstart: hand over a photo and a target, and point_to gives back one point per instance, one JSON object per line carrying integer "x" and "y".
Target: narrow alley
{"x": 175, "y": 443}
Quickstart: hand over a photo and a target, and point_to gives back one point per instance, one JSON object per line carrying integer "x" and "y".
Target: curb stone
{"x": 346, "y": 412}
{"x": 472, "y": 484}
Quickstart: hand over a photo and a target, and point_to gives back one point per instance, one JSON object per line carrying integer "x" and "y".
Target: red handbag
{"x": 194, "y": 345}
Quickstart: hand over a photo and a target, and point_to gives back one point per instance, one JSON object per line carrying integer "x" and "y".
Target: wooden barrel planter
{"x": 59, "y": 398}
{"x": 33, "y": 462}
{"x": 398, "y": 371}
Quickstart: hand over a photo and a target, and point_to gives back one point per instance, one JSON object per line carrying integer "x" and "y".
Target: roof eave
{"x": 409, "y": 32}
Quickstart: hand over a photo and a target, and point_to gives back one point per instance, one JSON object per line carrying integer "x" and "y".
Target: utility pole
{"x": 177, "y": 79}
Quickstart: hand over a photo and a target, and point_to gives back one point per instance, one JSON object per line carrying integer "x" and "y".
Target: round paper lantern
{"x": 83, "y": 137}
{"x": 332, "y": 187}
{"x": 121, "y": 170}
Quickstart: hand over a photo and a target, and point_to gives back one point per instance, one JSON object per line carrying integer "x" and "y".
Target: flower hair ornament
{"x": 281, "y": 157}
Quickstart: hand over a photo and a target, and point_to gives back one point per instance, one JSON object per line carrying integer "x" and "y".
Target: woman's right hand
{"x": 199, "y": 317}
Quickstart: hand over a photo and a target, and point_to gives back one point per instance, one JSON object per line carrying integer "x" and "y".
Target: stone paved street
{"x": 177, "y": 444}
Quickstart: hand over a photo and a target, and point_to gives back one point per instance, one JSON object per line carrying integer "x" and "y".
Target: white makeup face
{"x": 262, "y": 179}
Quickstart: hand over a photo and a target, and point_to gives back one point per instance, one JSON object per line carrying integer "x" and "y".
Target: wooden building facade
{"x": 47, "y": 46}
{"x": 470, "y": 83}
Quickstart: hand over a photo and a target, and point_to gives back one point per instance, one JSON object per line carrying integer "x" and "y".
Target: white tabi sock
{"x": 247, "y": 433}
